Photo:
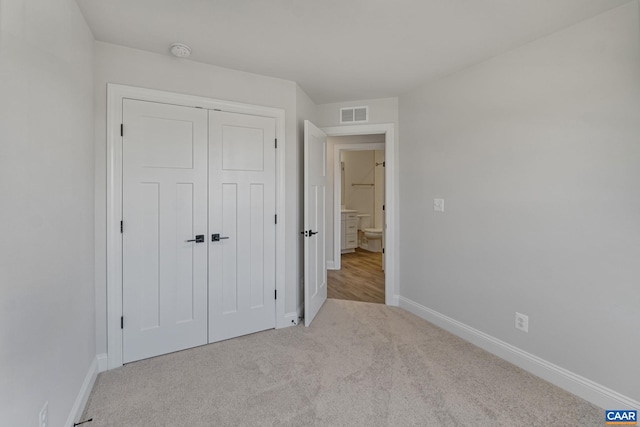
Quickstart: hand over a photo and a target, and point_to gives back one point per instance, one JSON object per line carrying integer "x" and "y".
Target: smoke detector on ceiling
{"x": 180, "y": 50}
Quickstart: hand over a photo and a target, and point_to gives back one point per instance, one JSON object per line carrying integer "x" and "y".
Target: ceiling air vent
{"x": 354, "y": 115}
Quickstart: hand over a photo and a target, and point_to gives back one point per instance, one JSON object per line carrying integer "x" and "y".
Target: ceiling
{"x": 338, "y": 50}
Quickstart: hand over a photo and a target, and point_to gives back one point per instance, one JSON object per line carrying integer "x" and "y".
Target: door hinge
{"x": 382, "y": 207}
{"x": 121, "y": 322}
{"x": 275, "y": 294}
{"x": 121, "y": 227}
{"x": 384, "y": 164}
{"x": 382, "y": 250}
{"x": 276, "y": 142}
{"x": 276, "y": 217}
{"x": 121, "y": 129}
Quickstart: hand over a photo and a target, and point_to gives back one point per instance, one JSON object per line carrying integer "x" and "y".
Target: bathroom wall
{"x": 358, "y": 173}
{"x": 360, "y": 168}
{"x": 379, "y": 190}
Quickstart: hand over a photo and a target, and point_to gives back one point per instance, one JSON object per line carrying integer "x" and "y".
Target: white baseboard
{"x": 103, "y": 363}
{"x": 394, "y": 301}
{"x": 589, "y": 390}
{"x": 291, "y": 319}
{"x": 331, "y": 265}
{"x": 83, "y": 394}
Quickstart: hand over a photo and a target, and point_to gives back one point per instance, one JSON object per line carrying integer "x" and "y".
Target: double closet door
{"x": 198, "y": 239}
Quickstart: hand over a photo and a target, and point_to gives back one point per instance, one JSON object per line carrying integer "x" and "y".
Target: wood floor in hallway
{"x": 360, "y": 279}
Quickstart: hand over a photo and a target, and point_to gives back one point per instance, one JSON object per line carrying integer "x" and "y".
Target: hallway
{"x": 360, "y": 279}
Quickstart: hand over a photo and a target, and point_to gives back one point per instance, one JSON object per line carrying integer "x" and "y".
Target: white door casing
{"x": 242, "y": 189}
{"x": 315, "y": 264}
{"x": 391, "y": 191}
{"x": 164, "y": 205}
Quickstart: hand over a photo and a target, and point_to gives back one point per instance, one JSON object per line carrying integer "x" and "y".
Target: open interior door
{"x": 315, "y": 264}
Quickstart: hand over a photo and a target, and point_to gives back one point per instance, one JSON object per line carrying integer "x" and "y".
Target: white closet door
{"x": 164, "y": 206}
{"x": 242, "y": 212}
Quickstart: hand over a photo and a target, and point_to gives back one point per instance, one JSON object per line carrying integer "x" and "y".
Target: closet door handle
{"x": 311, "y": 232}
{"x": 199, "y": 239}
{"x": 217, "y": 238}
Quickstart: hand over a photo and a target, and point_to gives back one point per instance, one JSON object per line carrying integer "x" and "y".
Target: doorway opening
{"x": 322, "y": 212}
{"x": 361, "y": 184}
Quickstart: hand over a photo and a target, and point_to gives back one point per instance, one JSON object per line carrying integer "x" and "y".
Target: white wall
{"x": 47, "y": 332}
{"x": 537, "y": 155}
{"x": 382, "y": 110}
{"x": 305, "y": 110}
{"x": 116, "y": 64}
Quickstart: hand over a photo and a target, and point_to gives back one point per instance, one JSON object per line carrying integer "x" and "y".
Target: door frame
{"x": 115, "y": 95}
{"x": 391, "y": 231}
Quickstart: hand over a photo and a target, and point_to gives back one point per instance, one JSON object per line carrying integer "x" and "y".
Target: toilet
{"x": 369, "y": 238}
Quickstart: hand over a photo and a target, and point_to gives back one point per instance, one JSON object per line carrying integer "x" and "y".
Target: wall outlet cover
{"x": 522, "y": 322}
{"x": 438, "y": 205}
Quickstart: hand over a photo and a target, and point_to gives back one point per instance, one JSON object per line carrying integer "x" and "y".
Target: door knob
{"x": 311, "y": 232}
{"x": 199, "y": 239}
{"x": 217, "y": 238}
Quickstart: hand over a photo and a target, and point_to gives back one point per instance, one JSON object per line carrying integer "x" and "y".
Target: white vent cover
{"x": 354, "y": 115}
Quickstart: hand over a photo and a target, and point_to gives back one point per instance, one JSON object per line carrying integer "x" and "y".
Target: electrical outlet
{"x": 43, "y": 418}
{"x": 438, "y": 205}
{"x": 522, "y": 322}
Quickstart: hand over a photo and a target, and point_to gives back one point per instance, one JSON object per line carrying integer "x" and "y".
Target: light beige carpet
{"x": 359, "y": 364}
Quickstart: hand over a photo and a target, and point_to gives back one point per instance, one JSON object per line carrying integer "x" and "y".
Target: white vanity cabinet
{"x": 349, "y": 231}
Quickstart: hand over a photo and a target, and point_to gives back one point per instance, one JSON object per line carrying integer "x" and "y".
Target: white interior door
{"x": 164, "y": 206}
{"x": 242, "y": 162}
{"x": 315, "y": 264}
